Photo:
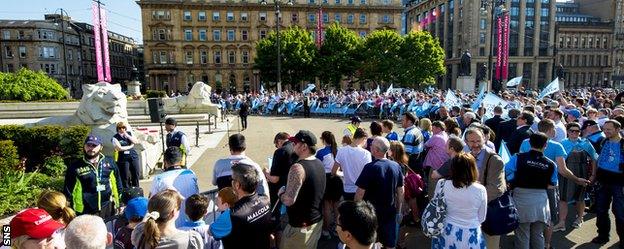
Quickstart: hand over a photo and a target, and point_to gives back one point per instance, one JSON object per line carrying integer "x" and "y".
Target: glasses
{"x": 574, "y": 131}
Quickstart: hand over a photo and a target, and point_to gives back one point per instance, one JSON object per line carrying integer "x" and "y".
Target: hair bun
{"x": 153, "y": 215}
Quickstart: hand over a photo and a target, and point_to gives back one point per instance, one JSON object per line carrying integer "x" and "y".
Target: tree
{"x": 298, "y": 53}
{"x": 338, "y": 55}
{"x": 27, "y": 85}
{"x": 380, "y": 54}
{"x": 421, "y": 59}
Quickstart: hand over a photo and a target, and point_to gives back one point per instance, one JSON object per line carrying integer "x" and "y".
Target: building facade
{"x": 618, "y": 44}
{"x": 38, "y": 45}
{"x": 214, "y": 41}
{"x": 464, "y": 25}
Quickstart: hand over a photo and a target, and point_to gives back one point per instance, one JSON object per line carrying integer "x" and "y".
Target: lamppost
{"x": 278, "y": 43}
{"x": 492, "y": 5}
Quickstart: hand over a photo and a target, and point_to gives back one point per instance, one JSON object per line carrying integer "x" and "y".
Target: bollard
{"x": 197, "y": 134}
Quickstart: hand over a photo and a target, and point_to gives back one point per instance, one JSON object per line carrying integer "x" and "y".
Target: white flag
{"x": 515, "y": 81}
{"x": 451, "y": 100}
{"x": 389, "y": 89}
{"x": 551, "y": 88}
{"x": 378, "y": 90}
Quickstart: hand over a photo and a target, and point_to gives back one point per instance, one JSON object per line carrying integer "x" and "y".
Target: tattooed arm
{"x": 294, "y": 183}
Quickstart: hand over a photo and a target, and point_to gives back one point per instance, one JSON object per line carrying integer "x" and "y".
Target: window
{"x": 187, "y": 15}
{"x": 189, "y": 57}
{"x": 544, "y": 12}
{"x": 244, "y": 35}
{"x": 231, "y": 57}
{"x": 230, "y": 35}
{"x": 311, "y": 17}
{"x": 362, "y": 1}
{"x": 22, "y": 52}
{"x": 47, "y": 52}
{"x": 161, "y": 34}
{"x": 201, "y": 16}
{"x": 337, "y": 18}
{"x": 294, "y": 17}
{"x": 311, "y": 2}
{"x": 263, "y": 16}
{"x": 482, "y": 38}
{"x": 386, "y": 2}
{"x": 244, "y": 16}
{"x": 8, "y": 52}
{"x": 263, "y": 34}
{"x": 325, "y": 18}
{"x": 20, "y": 34}
{"x": 245, "y": 57}
{"x": 229, "y": 16}
{"x": 216, "y": 35}
{"x": 202, "y": 34}
{"x": 350, "y": 19}
{"x": 482, "y": 24}
{"x": 203, "y": 57}
{"x": 70, "y": 54}
{"x": 337, "y": 1}
{"x": 161, "y": 15}
{"x": 216, "y": 16}
{"x": 386, "y": 19}
{"x": 6, "y": 34}
{"x": 362, "y": 18}
{"x": 188, "y": 35}
{"x": 217, "y": 57}
{"x": 362, "y": 33}
{"x": 530, "y": 11}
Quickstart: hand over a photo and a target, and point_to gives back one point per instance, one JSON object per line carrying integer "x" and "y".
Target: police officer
{"x": 127, "y": 157}
{"x": 177, "y": 138}
{"x": 351, "y": 127}
{"x": 92, "y": 183}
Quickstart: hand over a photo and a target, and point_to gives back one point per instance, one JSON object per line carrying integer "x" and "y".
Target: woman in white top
{"x": 466, "y": 206}
{"x": 333, "y": 186}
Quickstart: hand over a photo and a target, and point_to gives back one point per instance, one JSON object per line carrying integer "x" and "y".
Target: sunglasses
{"x": 571, "y": 131}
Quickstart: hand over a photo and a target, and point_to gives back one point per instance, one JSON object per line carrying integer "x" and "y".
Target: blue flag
{"x": 477, "y": 103}
{"x": 551, "y": 88}
{"x": 503, "y": 151}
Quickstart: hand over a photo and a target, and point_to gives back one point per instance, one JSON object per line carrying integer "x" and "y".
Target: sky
{"x": 124, "y": 16}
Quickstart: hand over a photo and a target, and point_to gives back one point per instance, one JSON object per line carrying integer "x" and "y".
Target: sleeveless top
{"x": 307, "y": 209}
{"x": 125, "y": 142}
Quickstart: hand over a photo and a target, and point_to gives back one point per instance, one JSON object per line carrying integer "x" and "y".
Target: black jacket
{"x": 504, "y": 131}
{"x": 494, "y": 122}
{"x": 519, "y": 135}
{"x": 251, "y": 220}
{"x": 82, "y": 179}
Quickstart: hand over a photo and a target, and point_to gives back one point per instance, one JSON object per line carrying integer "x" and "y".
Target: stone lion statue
{"x": 102, "y": 106}
{"x": 197, "y": 101}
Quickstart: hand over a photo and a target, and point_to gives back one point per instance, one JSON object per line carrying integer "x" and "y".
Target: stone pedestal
{"x": 465, "y": 84}
{"x": 134, "y": 88}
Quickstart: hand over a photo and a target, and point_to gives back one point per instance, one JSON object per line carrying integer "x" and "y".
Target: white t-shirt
{"x": 182, "y": 180}
{"x": 352, "y": 161}
{"x": 463, "y": 203}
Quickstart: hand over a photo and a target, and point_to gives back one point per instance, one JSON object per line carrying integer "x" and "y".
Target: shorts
{"x": 334, "y": 188}
{"x": 553, "y": 203}
{"x": 387, "y": 233}
{"x": 301, "y": 237}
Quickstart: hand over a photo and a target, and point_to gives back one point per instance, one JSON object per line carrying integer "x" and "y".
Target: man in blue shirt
{"x": 413, "y": 140}
{"x": 610, "y": 184}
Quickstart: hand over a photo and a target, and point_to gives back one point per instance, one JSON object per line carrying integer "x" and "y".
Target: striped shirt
{"x": 413, "y": 140}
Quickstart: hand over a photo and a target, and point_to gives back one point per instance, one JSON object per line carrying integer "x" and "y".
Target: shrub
{"x": 17, "y": 192}
{"x": 8, "y": 156}
{"x": 155, "y": 94}
{"x": 27, "y": 85}
{"x": 37, "y": 144}
{"x": 54, "y": 166}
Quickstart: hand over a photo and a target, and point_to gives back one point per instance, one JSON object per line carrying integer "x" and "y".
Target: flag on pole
{"x": 262, "y": 89}
{"x": 309, "y": 89}
{"x": 389, "y": 89}
{"x": 503, "y": 151}
{"x": 378, "y": 90}
{"x": 515, "y": 81}
{"x": 477, "y": 103}
{"x": 451, "y": 100}
{"x": 553, "y": 87}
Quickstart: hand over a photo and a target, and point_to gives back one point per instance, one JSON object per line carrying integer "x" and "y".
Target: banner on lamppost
{"x": 505, "y": 54}
{"x": 97, "y": 38}
{"x": 106, "y": 59}
{"x": 319, "y": 28}
{"x": 499, "y": 47}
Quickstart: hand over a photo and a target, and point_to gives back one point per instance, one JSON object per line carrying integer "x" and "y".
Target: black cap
{"x": 588, "y": 123}
{"x": 304, "y": 136}
{"x": 93, "y": 140}
{"x": 356, "y": 119}
{"x": 171, "y": 121}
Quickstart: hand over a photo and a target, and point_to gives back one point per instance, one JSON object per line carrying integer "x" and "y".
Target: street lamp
{"x": 492, "y": 5}
{"x": 277, "y": 30}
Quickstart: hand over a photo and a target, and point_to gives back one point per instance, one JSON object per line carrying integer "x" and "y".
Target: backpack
{"x": 434, "y": 215}
{"x": 502, "y": 215}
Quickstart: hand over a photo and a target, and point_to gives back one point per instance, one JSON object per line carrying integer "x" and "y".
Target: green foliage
{"x": 155, "y": 94}
{"x": 17, "y": 192}
{"x": 54, "y": 166}
{"x": 8, "y": 156}
{"x": 298, "y": 53}
{"x": 380, "y": 55}
{"x": 43, "y": 181}
{"x": 38, "y": 143}
{"x": 421, "y": 59}
{"x": 338, "y": 56}
{"x": 27, "y": 85}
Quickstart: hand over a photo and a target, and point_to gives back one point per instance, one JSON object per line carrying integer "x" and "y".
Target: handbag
{"x": 433, "y": 217}
{"x": 413, "y": 185}
{"x": 502, "y": 215}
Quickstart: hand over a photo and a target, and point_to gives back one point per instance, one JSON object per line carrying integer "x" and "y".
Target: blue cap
{"x": 94, "y": 140}
{"x": 136, "y": 208}
{"x": 574, "y": 112}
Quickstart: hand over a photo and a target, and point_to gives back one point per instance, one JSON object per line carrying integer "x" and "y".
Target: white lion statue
{"x": 197, "y": 101}
{"x": 102, "y": 106}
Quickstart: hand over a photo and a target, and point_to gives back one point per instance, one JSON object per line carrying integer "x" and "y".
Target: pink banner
{"x": 104, "y": 29}
{"x": 319, "y": 28}
{"x": 499, "y": 48}
{"x": 505, "y": 59}
{"x": 98, "y": 43}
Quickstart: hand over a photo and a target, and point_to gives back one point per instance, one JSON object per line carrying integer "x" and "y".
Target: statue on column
{"x": 482, "y": 75}
{"x": 560, "y": 71}
{"x": 464, "y": 67}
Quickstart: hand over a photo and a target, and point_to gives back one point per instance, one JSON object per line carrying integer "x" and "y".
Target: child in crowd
{"x": 134, "y": 212}
{"x": 222, "y": 226}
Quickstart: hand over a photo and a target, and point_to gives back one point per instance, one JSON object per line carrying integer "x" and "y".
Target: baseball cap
{"x": 304, "y": 136}
{"x": 356, "y": 119}
{"x": 574, "y": 112}
{"x": 136, "y": 208}
{"x": 34, "y": 222}
{"x": 588, "y": 123}
{"x": 94, "y": 140}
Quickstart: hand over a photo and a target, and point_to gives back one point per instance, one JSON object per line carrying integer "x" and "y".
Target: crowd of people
{"x": 359, "y": 186}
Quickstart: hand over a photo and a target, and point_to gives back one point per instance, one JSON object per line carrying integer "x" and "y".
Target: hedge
{"x": 37, "y": 144}
{"x": 27, "y": 85}
{"x": 9, "y": 159}
{"x": 155, "y": 94}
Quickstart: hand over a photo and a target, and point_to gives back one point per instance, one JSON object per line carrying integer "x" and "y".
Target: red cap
{"x": 34, "y": 222}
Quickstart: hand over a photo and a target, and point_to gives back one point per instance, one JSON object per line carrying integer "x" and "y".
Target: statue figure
{"x": 197, "y": 101}
{"x": 560, "y": 71}
{"x": 482, "y": 75}
{"x": 464, "y": 67}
